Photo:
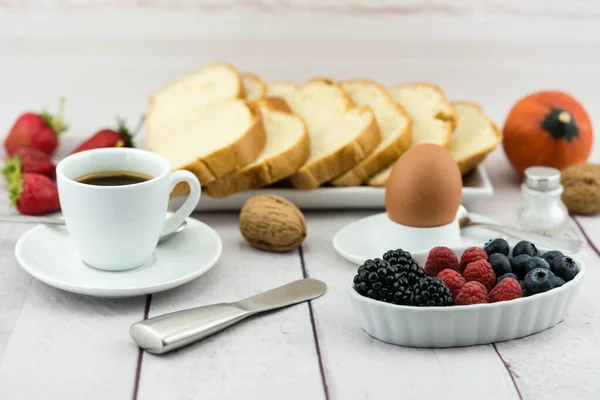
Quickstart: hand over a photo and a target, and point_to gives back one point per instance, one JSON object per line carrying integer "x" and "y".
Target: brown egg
{"x": 424, "y": 188}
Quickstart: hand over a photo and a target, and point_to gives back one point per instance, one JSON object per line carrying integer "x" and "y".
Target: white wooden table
{"x": 105, "y": 60}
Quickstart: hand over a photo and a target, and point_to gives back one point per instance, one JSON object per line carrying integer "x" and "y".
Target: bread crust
{"x": 467, "y": 164}
{"x": 227, "y": 159}
{"x": 448, "y": 115}
{"x": 379, "y": 159}
{"x": 262, "y": 86}
{"x": 312, "y": 175}
{"x": 272, "y": 169}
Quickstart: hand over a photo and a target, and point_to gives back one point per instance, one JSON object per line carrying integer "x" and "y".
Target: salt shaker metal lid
{"x": 542, "y": 179}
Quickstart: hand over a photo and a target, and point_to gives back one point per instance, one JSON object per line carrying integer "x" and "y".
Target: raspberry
{"x": 471, "y": 293}
{"x": 453, "y": 280}
{"x": 439, "y": 259}
{"x": 470, "y": 255}
{"x": 507, "y": 289}
{"x": 480, "y": 271}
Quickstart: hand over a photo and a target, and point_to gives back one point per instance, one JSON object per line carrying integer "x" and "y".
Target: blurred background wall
{"x": 106, "y": 56}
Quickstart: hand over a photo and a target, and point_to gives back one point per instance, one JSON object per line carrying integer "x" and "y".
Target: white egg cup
{"x": 395, "y": 235}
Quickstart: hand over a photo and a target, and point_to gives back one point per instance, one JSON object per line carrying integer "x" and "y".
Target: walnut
{"x": 272, "y": 223}
{"x": 581, "y": 184}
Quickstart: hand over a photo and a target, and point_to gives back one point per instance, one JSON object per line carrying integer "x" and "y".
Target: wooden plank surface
{"x": 271, "y": 356}
{"x": 67, "y": 346}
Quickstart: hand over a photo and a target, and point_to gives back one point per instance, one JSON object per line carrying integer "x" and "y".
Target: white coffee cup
{"x": 117, "y": 227}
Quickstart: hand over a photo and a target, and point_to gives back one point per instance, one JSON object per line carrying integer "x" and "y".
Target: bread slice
{"x": 474, "y": 137}
{"x": 174, "y": 108}
{"x": 341, "y": 136}
{"x": 254, "y": 87}
{"x": 433, "y": 118}
{"x": 394, "y": 127}
{"x": 224, "y": 137}
{"x": 278, "y": 89}
{"x": 288, "y": 147}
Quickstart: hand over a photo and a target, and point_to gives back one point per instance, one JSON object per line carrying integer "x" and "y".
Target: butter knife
{"x": 171, "y": 331}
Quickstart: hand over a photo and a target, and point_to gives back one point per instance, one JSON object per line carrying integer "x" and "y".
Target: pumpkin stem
{"x": 561, "y": 125}
{"x": 564, "y": 117}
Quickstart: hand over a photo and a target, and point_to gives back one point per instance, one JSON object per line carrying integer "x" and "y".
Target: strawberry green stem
{"x": 15, "y": 186}
{"x": 12, "y": 166}
{"x": 56, "y": 122}
{"x": 126, "y": 133}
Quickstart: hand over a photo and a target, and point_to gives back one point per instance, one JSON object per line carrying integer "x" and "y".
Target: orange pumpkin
{"x": 548, "y": 128}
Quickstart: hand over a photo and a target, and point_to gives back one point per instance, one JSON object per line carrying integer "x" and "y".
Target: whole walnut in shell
{"x": 581, "y": 184}
{"x": 272, "y": 223}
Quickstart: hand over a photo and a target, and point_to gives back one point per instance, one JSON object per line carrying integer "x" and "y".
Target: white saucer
{"x": 357, "y": 241}
{"x": 46, "y": 252}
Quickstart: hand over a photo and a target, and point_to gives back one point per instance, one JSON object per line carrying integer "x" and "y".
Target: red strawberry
{"x": 33, "y": 194}
{"x": 29, "y": 159}
{"x": 36, "y": 130}
{"x": 121, "y": 137}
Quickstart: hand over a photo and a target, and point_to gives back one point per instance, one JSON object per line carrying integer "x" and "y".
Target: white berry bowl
{"x": 457, "y": 326}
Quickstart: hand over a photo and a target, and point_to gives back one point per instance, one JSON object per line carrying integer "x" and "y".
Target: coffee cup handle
{"x": 188, "y": 207}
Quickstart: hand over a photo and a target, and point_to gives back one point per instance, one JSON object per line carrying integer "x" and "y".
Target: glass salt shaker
{"x": 542, "y": 209}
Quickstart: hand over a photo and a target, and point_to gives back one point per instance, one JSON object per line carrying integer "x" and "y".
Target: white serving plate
{"x": 476, "y": 185}
{"x": 464, "y": 325}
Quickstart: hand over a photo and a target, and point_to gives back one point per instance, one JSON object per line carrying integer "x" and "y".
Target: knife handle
{"x": 168, "y": 332}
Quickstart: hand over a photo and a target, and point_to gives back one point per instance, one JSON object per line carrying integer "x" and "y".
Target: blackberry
{"x": 406, "y": 265}
{"x": 393, "y": 256}
{"x": 379, "y": 280}
{"x": 430, "y": 292}
{"x": 493, "y": 246}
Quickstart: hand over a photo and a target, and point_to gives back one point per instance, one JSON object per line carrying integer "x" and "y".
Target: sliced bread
{"x": 433, "y": 118}
{"x": 474, "y": 137}
{"x": 341, "y": 135}
{"x": 254, "y": 87}
{"x": 287, "y": 148}
{"x": 174, "y": 108}
{"x": 224, "y": 137}
{"x": 278, "y": 89}
{"x": 394, "y": 127}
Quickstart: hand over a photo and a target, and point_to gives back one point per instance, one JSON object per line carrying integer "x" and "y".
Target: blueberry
{"x": 525, "y": 247}
{"x": 551, "y": 255}
{"x": 564, "y": 267}
{"x": 500, "y": 264}
{"x": 536, "y": 262}
{"x": 539, "y": 280}
{"x": 507, "y": 275}
{"x": 558, "y": 282}
{"x": 524, "y": 292}
{"x": 496, "y": 246}
{"x": 518, "y": 265}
